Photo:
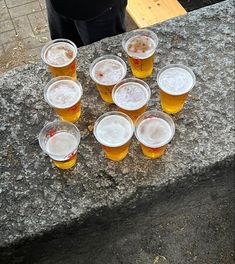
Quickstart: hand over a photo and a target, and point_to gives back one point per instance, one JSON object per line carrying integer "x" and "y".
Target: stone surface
{"x": 1, "y": 50}
{"x": 14, "y": 3}
{"x": 26, "y": 9}
{"x": 7, "y": 37}
{"x": 35, "y": 197}
{"x": 38, "y": 22}
{"x": 22, "y": 22}
{"x": 6, "y": 25}
{"x": 4, "y": 15}
{"x": 23, "y": 27}
{"x": 190, "y": 226}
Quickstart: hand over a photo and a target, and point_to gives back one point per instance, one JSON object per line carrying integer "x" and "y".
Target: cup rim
{"x": 56, "y": 79}
{"x": 113, "y": 113}
{"x": 158, "y": 114}
{"x": 177, "y": 65}
{"x": 49, "y": 43}
{"x": 48, "y": 124}
{"x": 150, "y": 33}
{"x": 135, "y": 80}
{"x": 104, "y": 57}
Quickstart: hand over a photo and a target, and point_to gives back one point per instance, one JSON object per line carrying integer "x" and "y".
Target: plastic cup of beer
{"x": 154, "y": 130}
{"x": 131, "y": 97}
{"x": 175, "y": 81}
{"x": 140, "y": 46}
{"x": 60, "y": 141}
{"x": 60, "y": 56}
{"x": 64, "y": 94}
{"x": 106, "y": 71}
{"x": 114, "y": 130}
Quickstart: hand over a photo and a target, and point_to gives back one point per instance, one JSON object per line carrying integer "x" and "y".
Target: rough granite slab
{"x": 35, "y": 196}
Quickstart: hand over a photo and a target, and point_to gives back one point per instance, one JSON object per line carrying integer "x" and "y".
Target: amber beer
{"x": 154, "y": 130}
{"x": 60, "y": 140}
{"x": 64, "y": 94}
{"x": 106, "y": 71}
{"x": 114, "y": 130}
{"x": 140, "y": 46}
{"x": 175, "y": 81}
{"x": 131, "y": 96}
{"x": 60, "y": 56}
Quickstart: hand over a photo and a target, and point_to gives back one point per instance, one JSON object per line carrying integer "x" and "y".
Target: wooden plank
{"x": 148, "y": 12}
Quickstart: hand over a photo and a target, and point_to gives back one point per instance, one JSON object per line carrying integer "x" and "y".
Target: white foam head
{"x": 59, "y": 54}
{"x": 140, "y": 47}
{"x": 113, "y": 131}
{"x": 176, "y": 80}
{"x": 154, "y": 132}
{"x": 131, "y": 96}
{"x": 108, "y": 72}
{"x": 63, "y": 93}
{"x": 61, "y": 145}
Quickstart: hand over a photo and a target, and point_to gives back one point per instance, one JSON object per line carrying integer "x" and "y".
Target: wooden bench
{"x": 148, "y": 12}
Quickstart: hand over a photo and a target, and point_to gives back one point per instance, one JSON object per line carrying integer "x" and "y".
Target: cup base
{"x": 172, "y": 112}
{"x": 134, "y": 114}
{"x": 141, "y": 75}
{"x": 64, "y": 165}
{"x": 71, "y": 114}
{"x": 116, "y": 153}
{"x": 172, "y": 104}
{"x": 71, "y": 119}
{"x": 105, "y": 92}
{"x": 153, "y": 153}
{"x": 118, "y": 157}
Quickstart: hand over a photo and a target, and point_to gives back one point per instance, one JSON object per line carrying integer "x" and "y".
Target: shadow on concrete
{"x": 189, "y": 223}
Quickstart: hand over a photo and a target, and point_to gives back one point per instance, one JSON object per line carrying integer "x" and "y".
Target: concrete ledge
{"x": 36, "y": 198}
{"x": 202, "y": 210}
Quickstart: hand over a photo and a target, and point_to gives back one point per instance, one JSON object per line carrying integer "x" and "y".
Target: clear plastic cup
{"x": 60, "y": 141}
{"x": 64, "y": 95}
{"x": 106, "y": 71}
{"x": 140, "y": 46}
{"x": 154, "y": 130}
{"x": 175, "y": 82}
{"x": 114, "y": 130}
{"x": 60, "y": 57}
{"x": 131, "y": 96}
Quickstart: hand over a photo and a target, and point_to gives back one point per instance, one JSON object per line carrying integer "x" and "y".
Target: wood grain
{"x": 148, "y": 12}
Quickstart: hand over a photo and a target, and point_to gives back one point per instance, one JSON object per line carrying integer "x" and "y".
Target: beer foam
{"x": 140, "y": 47}
{"x": 108, "y": 72}
{"x": 63, "y": 93}
{"x": 175, "y": 81}
{"x": 113, "y": 131}
{"x": 61, "y": 145}
{"x": 59, "y": 54}
{"x": 131, "y": 96}
{"x": 154, "y": 132}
